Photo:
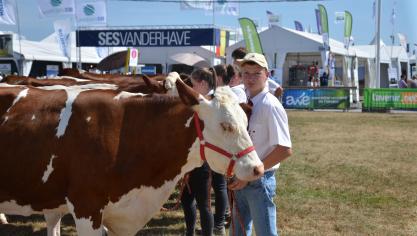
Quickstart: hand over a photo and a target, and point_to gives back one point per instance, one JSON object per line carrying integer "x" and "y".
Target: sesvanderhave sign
{"x": 147, "y": 38}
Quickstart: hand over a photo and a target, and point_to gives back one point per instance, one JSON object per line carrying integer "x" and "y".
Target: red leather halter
{"x": 233, "y": 157}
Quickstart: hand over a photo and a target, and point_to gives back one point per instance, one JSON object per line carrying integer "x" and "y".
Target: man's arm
{"x": 279, "y": 154}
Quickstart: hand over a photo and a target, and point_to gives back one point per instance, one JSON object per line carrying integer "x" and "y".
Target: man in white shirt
{"x": 269, "y": 131}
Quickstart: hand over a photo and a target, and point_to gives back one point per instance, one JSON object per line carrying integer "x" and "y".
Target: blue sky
{"x": 131, "y": 13}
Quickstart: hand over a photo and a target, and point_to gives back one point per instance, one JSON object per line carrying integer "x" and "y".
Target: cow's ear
{"x": 154, "y": 85}
{"x": 187, "y": 94}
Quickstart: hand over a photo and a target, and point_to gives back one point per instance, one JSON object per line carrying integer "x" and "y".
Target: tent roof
{"x": 280, "y": 39}
{"x": 397, "y": 52}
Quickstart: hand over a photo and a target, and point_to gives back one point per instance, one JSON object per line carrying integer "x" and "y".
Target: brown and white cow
{"x": 107, "y": 157}
{"x": 128, "y": 84}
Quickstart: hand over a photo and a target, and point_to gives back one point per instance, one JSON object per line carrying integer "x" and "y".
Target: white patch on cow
{"x": 21, "y": 95}
{"x": 88, "y": 119}
{"x": 138, "y": 206}
{"x": 66, "y": 112}
{"x": 124, "y": 95}
{"x": 12, "y": 208}
{"x": 83, "y": 87}
{"x": 3, "y": 219}
{"x": 33, "y": 117}
{"x": 48, "y": 170}
{"x": 187, "y": 124}
{"x": 70, "y": 77}
{"x": 84, "y": 225}
{"x": 6, "y": 118}
{"x": 6, "y": 85}
{"x": 72, "y": 94}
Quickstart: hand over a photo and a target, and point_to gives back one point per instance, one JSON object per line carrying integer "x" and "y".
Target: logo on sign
{"x": 89, "y": 10}
{"x": 302, "y": 100}
{"x": 56, "y": 3}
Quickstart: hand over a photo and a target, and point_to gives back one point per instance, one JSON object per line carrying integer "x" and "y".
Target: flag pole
{"x": 378, "y": 42}
{"x": 20, "y": 60}
{"x": 214, "y": 35}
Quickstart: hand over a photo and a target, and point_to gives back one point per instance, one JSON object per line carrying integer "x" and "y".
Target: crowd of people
{"x": 248, "y": 77}
{"x": 404, "y": 82}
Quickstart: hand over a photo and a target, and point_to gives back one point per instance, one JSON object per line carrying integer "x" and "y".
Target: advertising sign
{"x": 316, "y": 98}
{"x": 148, "y": 70}
{"x": 390, "y": 98}
{"x": 147, "y": 38}
{"x": 133, "y": 57}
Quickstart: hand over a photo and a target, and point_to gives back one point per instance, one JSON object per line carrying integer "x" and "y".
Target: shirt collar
{"x": 259, "y": 96}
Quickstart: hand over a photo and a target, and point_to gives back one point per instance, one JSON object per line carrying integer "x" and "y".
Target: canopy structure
{"x": 113, "y": 61}
{"x": 190, "y": 59}
{"x": 285, "y": 48}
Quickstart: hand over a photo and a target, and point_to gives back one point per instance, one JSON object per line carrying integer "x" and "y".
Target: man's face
{"x": 254, "y": 78}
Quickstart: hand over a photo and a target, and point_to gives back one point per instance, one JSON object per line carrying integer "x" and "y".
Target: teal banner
{"x": 390, "y": 98}
{"x": 335, "y": 98}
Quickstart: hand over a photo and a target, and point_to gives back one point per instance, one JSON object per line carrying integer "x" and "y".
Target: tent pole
{"x": 20, "y": 60}
{"x": 378, "y": 43}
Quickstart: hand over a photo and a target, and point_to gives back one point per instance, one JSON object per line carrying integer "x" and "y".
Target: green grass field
{"x": 350, "y": 174}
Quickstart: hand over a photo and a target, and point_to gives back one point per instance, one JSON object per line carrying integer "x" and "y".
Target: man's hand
{"x": 237, "y": 184}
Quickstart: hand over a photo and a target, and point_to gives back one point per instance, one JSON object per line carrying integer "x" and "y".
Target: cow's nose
{"x": 258, "y": 171}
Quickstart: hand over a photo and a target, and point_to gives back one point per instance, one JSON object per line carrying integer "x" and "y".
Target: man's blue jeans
{"x": 255, "y": 203}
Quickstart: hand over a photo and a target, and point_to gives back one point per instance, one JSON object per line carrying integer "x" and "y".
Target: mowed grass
{"x": 350, "y": 174}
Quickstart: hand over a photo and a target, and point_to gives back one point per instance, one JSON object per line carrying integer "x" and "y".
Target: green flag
{"x": 250, "y": 35}
{"x": 348, "y": 24}
{"x": 323, "y": 18}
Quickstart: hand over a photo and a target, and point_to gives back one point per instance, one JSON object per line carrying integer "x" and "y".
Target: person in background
{"x": 238, "y": 53}
{"x": 402, "y": 83}
{"x": 413, "y": 82}
{"x": 274, "y": 87}
{"x": 203, "y": 81}
{"x": 324, "y": 78}
{"x": 269, "y": 131}
{"x": 312, "y": 73}
{"x": 230, "y": 76}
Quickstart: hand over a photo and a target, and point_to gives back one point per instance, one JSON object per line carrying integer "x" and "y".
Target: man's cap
{"x": 256, "y": 58}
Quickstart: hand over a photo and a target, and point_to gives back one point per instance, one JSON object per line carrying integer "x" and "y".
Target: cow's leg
{"x": 3, "y": 219}
{"x": 53, "y": 223}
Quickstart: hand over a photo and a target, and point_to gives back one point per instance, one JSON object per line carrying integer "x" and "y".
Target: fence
{"x": 317, "y": 98}
{"x": 385, "y": 99}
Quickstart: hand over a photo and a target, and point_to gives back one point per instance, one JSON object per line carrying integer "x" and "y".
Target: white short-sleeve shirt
{"x": 239, "y": 90}
{"x": 268, "y": 125}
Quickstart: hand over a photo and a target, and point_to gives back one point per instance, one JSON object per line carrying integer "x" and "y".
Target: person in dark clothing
{"x": 203, "y": 81}
{"x": 324, "y": 78}
{"x": 198, "y": 181}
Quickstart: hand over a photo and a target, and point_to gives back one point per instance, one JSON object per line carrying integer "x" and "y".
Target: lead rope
{"x": 184, "y": 183}
{"x": 232, "y": 199}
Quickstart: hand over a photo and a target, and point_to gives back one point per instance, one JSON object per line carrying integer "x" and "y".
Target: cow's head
{"x": 225, "y": 126}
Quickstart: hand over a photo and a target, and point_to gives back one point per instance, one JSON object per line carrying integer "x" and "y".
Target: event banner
{"x": 250, "y": 35}
{"x": 147, "y": 38}
{"x": 337, "y": 98}
{"x": 348, "y": 28}
{"x": 390, "y": 98}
